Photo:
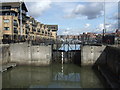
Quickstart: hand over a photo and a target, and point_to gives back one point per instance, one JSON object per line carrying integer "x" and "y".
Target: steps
{"x": 7, "y": 66}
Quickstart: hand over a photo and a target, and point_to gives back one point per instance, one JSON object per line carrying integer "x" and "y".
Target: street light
{"x": 104, "y": 30}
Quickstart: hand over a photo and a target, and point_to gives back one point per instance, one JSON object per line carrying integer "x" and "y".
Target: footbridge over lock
{"x": 67, "y": 51}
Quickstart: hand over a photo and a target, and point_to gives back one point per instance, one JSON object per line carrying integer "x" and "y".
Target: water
{"x": 54, "y": 76}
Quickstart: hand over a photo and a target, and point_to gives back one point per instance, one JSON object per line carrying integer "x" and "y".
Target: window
{"x": 38, "y": 30}
{"x": 13, "y": 14}
{"x": 6, "y": 20}
{"x": 15, "y": 21}
{"x": 6, "y": 28}
{"x": 23, "y": 11}
{"x": 15, "y": 30}
{"x": 6, "y": 7}
{"x": 7, "y": 13}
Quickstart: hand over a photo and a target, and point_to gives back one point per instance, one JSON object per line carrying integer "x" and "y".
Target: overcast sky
{"x": 75, "y": 17}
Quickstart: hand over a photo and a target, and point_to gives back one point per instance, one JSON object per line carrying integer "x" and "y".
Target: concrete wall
{"x": 113, "y": 60}
{"x": 109, "y": 66}
{"x": 0, "y": 80}
{"x": 0, "y": 58}
{"x": 4, "y": 59}
{"x": 90, "y": 54}
{"x": 20, "y": 53}
{"x": 41, "y": 55}
{"x": 4, "y": 54}
{"x": 25, "y": 54}
{"x": 0, "y": 69}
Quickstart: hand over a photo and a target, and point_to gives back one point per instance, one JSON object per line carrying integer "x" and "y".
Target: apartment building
{"x": 17, "y": 26}
{"x": 10, "y": 20}
{"x": 53, "y": 29}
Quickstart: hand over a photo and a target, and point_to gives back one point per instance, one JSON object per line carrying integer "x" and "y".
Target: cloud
{"x": 116, "y": 16}
{"x": 87, "y": 25}
{"x": 101, "y": 26}
{"x": 36, "y": 9}
{"x": 66, "y": 31}
{"x": 69, "y": 31}
{"x": 89, "y": 10}
{"x": 110, "y": 27}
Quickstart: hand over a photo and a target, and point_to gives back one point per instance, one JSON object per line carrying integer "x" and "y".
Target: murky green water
{"x": 54, "y": 76}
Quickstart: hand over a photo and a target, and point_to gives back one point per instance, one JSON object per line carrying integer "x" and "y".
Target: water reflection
{"x": 54, "y": 76}
{"x": 0, "y": 80}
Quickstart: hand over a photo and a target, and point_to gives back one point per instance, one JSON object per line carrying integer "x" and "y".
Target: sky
{"x": 76, "y": 16}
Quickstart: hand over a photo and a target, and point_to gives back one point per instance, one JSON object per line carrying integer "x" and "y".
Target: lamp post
{"x": 104, "y": 30}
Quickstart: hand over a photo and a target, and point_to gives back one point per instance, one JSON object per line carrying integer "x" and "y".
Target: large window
{"x": 15, "y": 23}
{"x": 6, "y": 20}
{"x": 6, "y": 28}
{"x": 5, "y": 7}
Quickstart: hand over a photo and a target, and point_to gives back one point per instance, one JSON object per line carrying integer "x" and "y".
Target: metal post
{"x": 64, "y": 46}
{"x": 62, "y": 57}
{"x": 75, "y": 46}
{"x": 104, "y": 18}
{"x": 68, "y": 46}
{"x": 21, "y": 19}
{"x": 104, "y": 30}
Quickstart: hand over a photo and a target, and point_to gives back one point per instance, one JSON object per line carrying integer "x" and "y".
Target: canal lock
{"x": 65, "y": 57}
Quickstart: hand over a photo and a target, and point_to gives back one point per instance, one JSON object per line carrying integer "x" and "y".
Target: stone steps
{"x": 7, "y": 66}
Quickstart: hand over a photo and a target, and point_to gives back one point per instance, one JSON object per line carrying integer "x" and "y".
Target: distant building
{"x": 117, "y": 33}
{"x": 88, "y": 37}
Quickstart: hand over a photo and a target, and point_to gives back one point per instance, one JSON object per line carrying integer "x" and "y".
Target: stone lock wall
{"x": 90, "y": 54}
{"x": 25, "y": 54}
{"x": 4, "y": 54}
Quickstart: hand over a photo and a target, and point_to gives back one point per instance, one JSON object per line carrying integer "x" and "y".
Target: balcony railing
{"x": 27, "y": 26}
{"x": 15, "y": 24}
{"x": 16, "y": 31}
{"x": 34, "y": 30}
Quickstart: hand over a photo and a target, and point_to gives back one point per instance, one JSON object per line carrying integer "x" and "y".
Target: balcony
{"x": 27, "y": 26}
{"x": 34, "y": 24}
{"x": 34, "y": 30}
{"x": 15, "y": 31}
{"x": 38, "y": 30}
{"x": 24, "y": 12}
{"x": 5, "y": 7}
{"x": 27, "y": 32}
{"x": 15, "y": 24}
{"x": 23, "y": 18}
{"x": 42, "y": 32}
